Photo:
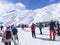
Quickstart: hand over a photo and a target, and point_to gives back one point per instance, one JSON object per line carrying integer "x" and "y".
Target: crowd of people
{"x": 54, "y": 27}
{"x": 10, "y": 34}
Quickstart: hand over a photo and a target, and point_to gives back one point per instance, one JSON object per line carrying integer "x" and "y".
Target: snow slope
{"x": 24, "y": 16}
{"x": 51, "y": 12}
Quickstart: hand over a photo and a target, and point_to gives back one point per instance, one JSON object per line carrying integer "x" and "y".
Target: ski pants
{"x": 7, "y": 43}
{"x": 52, "y": 34}
{"x": 40, "y": 30}
{"x": 15, "y": 37}
{"x": 58, "y": 32}
{"x": 33, "y": 34}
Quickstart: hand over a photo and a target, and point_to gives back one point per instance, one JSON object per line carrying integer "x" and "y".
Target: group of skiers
{"x": 52, "y": 29}
{"x": 10, "y": 34}
{"x": 33, "y": 28}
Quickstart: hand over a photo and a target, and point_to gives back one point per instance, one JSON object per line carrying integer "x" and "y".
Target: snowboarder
{"x": 52, "y": 31}
{"x": 33, "y": 27}
{"x": 40, "y": 28}
{"x": 7, "y": 36}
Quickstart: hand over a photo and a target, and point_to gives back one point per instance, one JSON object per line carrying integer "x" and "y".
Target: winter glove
{"x": 12, "y": 38}
{"x": 2, "y": 40}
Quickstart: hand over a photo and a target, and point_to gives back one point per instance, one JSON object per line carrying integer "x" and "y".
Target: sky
{"x": 31, "y": 4}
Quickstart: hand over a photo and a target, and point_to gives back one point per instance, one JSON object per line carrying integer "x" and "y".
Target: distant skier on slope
{"x": 1, "y": 31}
{"x": 1, "y": 27}
{"x": 22, "y": 26}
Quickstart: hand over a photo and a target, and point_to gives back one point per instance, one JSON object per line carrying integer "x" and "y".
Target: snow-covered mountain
{"x": 51, "y": 12}
{"x": 24, "y": 16}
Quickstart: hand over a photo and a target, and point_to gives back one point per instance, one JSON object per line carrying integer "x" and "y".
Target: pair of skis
{"x": 16, "y": 40}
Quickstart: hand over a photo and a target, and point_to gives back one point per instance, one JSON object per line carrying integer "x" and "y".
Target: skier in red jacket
{"x": 33, "y": 27}
{"x": 22, "y": 27}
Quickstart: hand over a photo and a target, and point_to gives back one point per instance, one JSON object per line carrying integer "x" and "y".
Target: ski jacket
{"x": 4, "y": 37}
{"x": 59, "y": 27}
{"x": 52, "y": 25}
{"x": 33, "y": 27}
{"x": 40, "y": 26}
{"x": 22, "y": 26}
{"x": 14, "y": 30}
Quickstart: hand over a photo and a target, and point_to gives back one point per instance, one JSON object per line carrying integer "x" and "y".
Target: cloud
{"x": 4, "y": 7}
{"x": 20, "y": 5}
{"x": 51, "y": 0}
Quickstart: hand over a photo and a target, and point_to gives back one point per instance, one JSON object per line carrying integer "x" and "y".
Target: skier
{"x": 52, "y": 31}
{"x": 1, "y": 31}
{"x": 15, "y": 36}
{"x": 58, "y": 30}
{"x": 22, "y": 26}
{"x": 7, "y": 36}
{"x": 1, "y": 27}
{"x": 33, "y": 27}
{"x": 12, "y": 26}
{"x": 40, "y": 28}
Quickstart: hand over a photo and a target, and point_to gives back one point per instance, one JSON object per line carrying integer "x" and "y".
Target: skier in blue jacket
{"x": 15, "y": 35}
{"x": 40, "y": 28}
{"x": 14, "y": 31}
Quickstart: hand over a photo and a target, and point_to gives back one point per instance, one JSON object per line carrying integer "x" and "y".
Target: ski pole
{"x": 14, "y": 42}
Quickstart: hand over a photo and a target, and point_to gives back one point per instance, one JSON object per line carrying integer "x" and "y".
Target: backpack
{"x": 8, "y": 34}
{"x": 14, "y": 32}
{"x": 59, "y": 27}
